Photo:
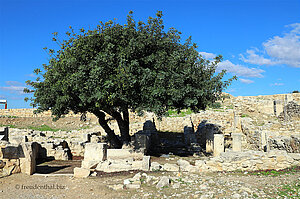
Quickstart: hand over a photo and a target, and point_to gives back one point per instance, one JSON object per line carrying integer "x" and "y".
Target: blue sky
{"x": 259, "y": 39}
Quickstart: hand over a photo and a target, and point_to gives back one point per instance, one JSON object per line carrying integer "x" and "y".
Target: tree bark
{"x": 112, "y": 138}
{"x": 123, "y": 123}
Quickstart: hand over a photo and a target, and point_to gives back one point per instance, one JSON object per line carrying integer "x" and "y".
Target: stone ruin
{"x": 231, "y": 145}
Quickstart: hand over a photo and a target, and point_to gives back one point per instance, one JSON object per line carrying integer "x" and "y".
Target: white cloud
{"x": 246, "y": 81}
{"x": 281, "y": 50}
{"x": 277, "y": 84}
{"x": 13, "y": 87}
{"x": 206, "y": 55}
{"x": 254, "y": 58}
{"x": 239, "y": 70}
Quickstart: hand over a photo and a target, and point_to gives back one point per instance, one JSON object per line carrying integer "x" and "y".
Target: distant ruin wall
{"x": 30, "y": 113}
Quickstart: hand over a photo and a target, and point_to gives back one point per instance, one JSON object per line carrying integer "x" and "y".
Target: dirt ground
{"x": 213, "y": 185}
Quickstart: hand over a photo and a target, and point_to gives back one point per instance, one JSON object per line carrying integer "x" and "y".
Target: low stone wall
{"x": 18, "y": 158}
{"x": 97, "y": 157}
{"x": 30, "y": 113}
{"x": 233, "y": 161}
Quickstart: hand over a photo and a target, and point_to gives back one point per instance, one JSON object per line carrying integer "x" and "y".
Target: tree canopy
{"x": 114, "y": 68}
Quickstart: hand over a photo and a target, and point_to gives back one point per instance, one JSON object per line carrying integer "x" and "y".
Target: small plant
{"x": 296, "y": 91}
{"x": 245, "y": 115}
{"x": 229, "y": 107}
{"x": 9, "y": 126}
{"x": 8, "y": 116}
{"x": 274, "y": 173}
{"x": 215, "y": 105}
{"x": 290, "y": 190}
{"x": 183, "y": 113}
{"x": 43, "y": 128}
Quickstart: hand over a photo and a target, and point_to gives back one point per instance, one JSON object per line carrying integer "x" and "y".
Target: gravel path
{"x": 184, "y": 185}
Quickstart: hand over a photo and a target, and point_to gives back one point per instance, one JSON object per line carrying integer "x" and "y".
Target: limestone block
{"x": 89, "y": 164}
{"x": 218, "y": 144}
{"x": 137, "y": 165}
{"x": 61, "y": 154}
{"x": 86, "y": 137}
{"x": 95, "y": 151}
{"x": 102, "y": 166}
{"x": 122, "y": 166}
{"x": 18, "y": 139}
{"x": 133, "y": 186}
{"x": 155, "y": 166}
{"x": 295, "y": 156}
{"x": 192, "y": 169}
{"x": 81, "y": 172}
{"x": 164, "y": 181}
{"x": 146, "y": 163}
{"x": 123, "y": 154}
{"x": 237, "y": 142}
{"x": 170, "y": 167}
{"x": 95, "y": 139}
{"x": 28, "y": 160}
{"x": 184, "y": 165}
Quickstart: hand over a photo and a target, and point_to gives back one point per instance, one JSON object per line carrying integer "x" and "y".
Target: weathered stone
{"x": 123, "y": 154}
{"x": 146, "y": 163}
{"x": 295, "y": 156}
{"x": 18, "y": 139}
{"x": 218, "y": 144}
{"x": 164, "y": 181}
{"x": 28, "y": 159}
{"x": 94, "y": 153}
{"x": 116, "y": 187}
{"x": 183, "y": 164}
{"x": 133, "y": 186}
{"x": 81, "y": 172}
{"x": 61, "y": 154}
{"x": 170, "y": 167}
{"x": 155, "y": 166}
{"x": 237, "y": 142}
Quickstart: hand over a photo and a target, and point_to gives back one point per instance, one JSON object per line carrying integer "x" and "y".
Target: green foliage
{"x": 290, "y": 190}
{"x": 215, "y": 105}
{"x": 274, "y": 173}
{"x": 42, "y": 128}
{"x": 296, "y": 91}
{"x": 245, "y": 115}
{"x": 182, "y": 113}
{"x": 9, "y": 126}
{"x": 8, "y": 116}
{"x": 114, "y": 67}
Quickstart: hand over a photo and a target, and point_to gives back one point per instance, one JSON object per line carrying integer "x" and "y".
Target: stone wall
{"x": 30, "y": 113}
{"x": 18, "y": 158}
{"x": 233, "y": 161}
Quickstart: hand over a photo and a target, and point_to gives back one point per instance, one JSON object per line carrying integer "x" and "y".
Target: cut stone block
{"x": 218, "y": 144}
{"x": 81, "y": 172}
{"x": 95, "y": 151}
{"x": 237, "y": 142}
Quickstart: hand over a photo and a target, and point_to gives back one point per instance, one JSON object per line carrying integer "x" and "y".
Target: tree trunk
{"x": 124, "y": 127}
{"x": 111, "y": 136}
{"x": 123, "y": 123}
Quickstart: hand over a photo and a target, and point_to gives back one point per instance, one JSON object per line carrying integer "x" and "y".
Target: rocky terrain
{"x": 176, "y": 185}
{"x": 266, "y": 164}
